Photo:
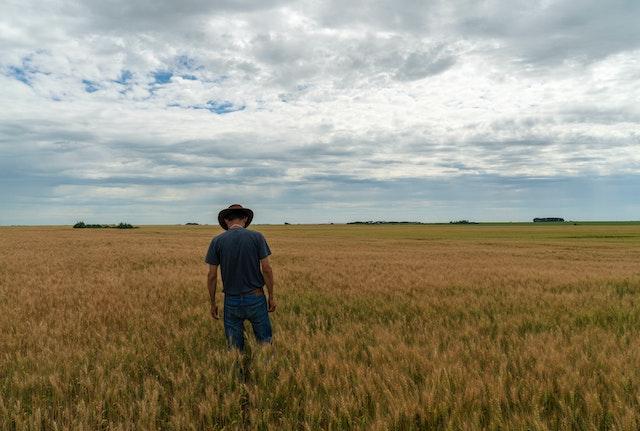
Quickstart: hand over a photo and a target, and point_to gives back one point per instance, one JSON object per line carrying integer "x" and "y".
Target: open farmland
{"x": 378, "y": 327}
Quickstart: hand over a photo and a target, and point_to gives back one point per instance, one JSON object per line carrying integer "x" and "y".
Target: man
{"x": 243, "y": 257}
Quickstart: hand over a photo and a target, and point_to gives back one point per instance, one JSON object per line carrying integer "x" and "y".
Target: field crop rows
{"x": 377, "y": 328}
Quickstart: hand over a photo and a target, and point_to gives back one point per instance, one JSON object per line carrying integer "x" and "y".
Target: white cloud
{"x": 275, "y": 95}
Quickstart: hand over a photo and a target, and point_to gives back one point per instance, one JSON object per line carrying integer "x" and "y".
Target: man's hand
{"x": 214, "y": 311}
{"x": 272, "y": 305}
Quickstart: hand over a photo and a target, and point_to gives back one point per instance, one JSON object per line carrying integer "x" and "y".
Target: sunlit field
{"x": 377, "y": 328}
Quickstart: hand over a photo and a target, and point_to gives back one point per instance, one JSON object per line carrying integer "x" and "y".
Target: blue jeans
{"x": 253, "y": 308}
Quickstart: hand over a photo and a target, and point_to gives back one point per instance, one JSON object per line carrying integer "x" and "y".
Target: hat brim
{"x": 222, "y": 214}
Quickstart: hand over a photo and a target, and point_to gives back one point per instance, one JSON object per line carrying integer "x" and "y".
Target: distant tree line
{"x": 121, "y": 225}
{"x": 547, "y": 219}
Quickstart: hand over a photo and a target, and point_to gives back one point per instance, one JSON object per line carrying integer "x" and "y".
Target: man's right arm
{"x": 267, "y": 273}
{"x": 212, "y": 281}
{"x": 212, "y": 277}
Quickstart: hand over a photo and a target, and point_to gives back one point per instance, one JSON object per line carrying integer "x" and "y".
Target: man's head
{"x": 235, "y": 214}
{"x": 234, "y": 217}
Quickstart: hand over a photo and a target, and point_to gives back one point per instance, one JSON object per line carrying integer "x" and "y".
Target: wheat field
{"x": 401, "y": 327}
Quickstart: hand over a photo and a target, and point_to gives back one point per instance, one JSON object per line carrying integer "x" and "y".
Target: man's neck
{"x": 235, "y": 226}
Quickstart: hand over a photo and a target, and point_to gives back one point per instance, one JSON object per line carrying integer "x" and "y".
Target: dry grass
{"x": 378, "y": 327}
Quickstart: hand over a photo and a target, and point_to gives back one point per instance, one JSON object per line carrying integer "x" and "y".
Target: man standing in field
{"x": 243, "y": 257}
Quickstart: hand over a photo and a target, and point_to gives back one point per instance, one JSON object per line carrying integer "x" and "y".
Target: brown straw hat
{"x": 233, "y": 210}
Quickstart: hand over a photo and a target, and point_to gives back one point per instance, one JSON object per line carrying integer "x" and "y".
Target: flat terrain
{"x": 377, "y": 327}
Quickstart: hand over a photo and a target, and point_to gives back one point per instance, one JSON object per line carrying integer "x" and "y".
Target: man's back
{"x": 238, "y": 251}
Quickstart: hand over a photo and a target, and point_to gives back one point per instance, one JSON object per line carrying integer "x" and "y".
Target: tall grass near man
{"x": 243, "y": 258}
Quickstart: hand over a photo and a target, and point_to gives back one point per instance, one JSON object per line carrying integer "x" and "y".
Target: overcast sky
{"x": 319, "y": 111}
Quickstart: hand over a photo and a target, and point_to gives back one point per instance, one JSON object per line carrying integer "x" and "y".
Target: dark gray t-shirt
{"x": 238, "y": 252}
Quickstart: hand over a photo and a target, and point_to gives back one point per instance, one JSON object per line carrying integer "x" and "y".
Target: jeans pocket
{"x": 253, "y": 300}
{"x": 232, "y": 301}
{"x": 255, "y": 304}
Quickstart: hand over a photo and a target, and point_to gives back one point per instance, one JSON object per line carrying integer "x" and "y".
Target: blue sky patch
{"x": 222, "y": 107}
{"x": 219, "y": 107}
{"x": 90, "y": 86}
{"x": 162, "y": 76}
{"x": 20, "y": 74}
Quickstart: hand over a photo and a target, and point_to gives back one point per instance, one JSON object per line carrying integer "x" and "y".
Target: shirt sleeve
{"x": 263, "y": 247}
{"x": 212, "y": 257}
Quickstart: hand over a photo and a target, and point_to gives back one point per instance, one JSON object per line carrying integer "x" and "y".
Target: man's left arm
{"x": 212, "y": 281}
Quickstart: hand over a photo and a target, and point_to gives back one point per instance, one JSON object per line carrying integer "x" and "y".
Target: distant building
{"x": 547, "y": 219}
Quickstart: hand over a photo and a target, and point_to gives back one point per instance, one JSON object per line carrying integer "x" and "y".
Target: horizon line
{"x": 359, "y": 223}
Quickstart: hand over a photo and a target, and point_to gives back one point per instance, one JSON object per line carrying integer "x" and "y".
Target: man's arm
{"x": 267, "y": 272}
{"x": 212, "y": 281}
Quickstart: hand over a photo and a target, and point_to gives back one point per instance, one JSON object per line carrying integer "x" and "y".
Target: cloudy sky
{"x": 319, "y": 111}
